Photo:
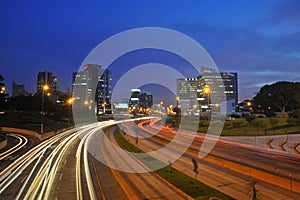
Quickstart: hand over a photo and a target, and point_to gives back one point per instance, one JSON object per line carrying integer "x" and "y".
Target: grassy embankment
{"x": 190, "y": 186}
{"x": 254, "y": 127}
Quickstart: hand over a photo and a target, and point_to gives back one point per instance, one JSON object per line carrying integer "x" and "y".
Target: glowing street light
{"x": 45, "y": 89}
{"x": 206, "y": 90}
{"x": 2, "y": 89}
{"x": 104, "y": 106}
{"x": 70, "y": 102}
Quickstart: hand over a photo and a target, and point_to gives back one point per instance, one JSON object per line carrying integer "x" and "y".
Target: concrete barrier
{"x": 270, "y": 178}
{"x": 283, "y": 182}
{"x": 32, "y": 133}
{"x": 47, "y": 135}
{"x": 295, "y": 186}
{"x": 286, "y": 143}
{"x": 236, "y": 167}
{"x": 22, "y": 131}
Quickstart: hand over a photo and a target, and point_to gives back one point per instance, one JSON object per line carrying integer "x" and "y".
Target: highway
{"x": 85, "y": 162}
{"x": 22, "y": 141}
{"x": 66, "y": 166}
{"x": 223, "y": 179}
{"x": 17, "y": 144}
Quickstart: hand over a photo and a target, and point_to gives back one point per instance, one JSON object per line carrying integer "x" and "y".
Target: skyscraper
{"x": 187, "y": 90}
{"x": 103, "y": 93}
{"x": 47, "y": 78}
{"x": 139, "y": 102}
{"x": 209, "y": 85}
{"x": 146, "y": 100}
{"x": 92, "y": 72}
{"x": 79, "y": 84}
{"x": 217, "y": 82}
{"x": 92, "y": 87}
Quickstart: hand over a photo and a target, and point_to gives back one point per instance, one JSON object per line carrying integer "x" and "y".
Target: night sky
{"x": 260, "y": 40}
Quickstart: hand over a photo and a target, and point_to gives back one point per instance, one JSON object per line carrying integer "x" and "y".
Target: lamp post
{"x": 69, "y": 102}
{"x": 104, "y": 107}
{"x": 206, "y": 90}
{"x": 45, "y": 89}
{"x": 2, "y": 89}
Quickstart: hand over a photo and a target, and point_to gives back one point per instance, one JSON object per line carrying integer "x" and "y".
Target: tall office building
{"x": 93, "y": 88}
{"x": 230, "y": 80}
{"x": 209, "y": 85}
{"x": 146, "y": 100}
{"x": 47, "y": 78}
{"x": 134, "y": 98}
{"x": 187, "y": 91}
{"x": 93, "y": 77}
{"x": 217, "y": 82}
{"x": 139, "y": 102}
{"x": 103, "y": 93}
{"x": 79, "y": 83}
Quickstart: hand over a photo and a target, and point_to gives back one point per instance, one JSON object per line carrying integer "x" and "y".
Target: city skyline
{"x": 259, "y": 39}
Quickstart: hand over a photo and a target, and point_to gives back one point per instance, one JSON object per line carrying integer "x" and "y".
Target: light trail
{"x": 22, "y": 142}
{"x": 40, "y": 179}
{"x": 18, "y": 166}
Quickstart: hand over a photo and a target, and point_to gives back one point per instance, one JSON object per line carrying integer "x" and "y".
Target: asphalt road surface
{"x": 66, "y": 166}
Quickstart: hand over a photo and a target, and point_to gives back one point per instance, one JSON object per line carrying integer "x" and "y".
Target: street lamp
{"x": 69, "y": 102}
{"x": 2, "y": 89}
{"x": 104, "y": 106}
{"x": 45, "y": 89}
{"x": 206, "y": 90}
{"x": 177, "y": 100}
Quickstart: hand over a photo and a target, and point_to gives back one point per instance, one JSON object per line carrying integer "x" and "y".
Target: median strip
{"x": 188, "y": 185}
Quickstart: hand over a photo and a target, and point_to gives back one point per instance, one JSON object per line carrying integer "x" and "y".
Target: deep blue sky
{"x": 258, "y": 39}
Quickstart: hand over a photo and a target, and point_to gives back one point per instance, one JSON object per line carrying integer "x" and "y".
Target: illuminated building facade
{"x": 196, "y": 93}
{"x": 93, "y": 88}
{"x": 47, "y": 78}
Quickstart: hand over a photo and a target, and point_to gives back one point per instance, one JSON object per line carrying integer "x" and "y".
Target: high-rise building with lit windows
{"x": 47, "y": 78}
{"x": 225, "y": 80}
{"x": 191, "y": 91}
{"x": 187, "y": 91}
{"x": 92, "y": 87}
{"x": 79, "y": 85}
{"x": 103, "y": 92}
